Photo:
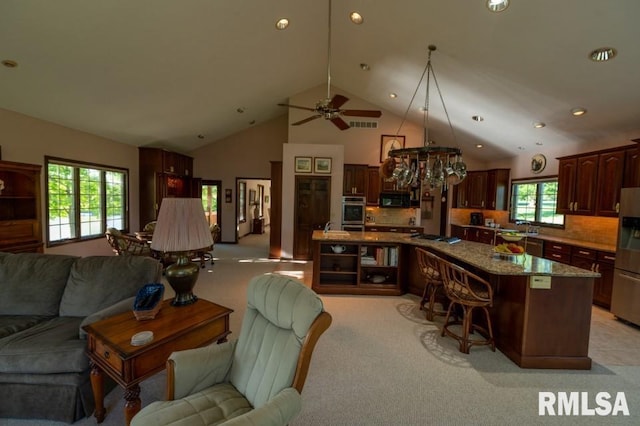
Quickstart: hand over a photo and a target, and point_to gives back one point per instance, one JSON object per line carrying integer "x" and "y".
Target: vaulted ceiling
{"x": 162, "y": 72}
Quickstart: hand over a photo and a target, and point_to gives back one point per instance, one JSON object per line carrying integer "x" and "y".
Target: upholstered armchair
{"x": 256, "y": 379}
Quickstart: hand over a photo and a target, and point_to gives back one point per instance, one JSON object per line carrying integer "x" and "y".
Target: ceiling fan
{"x": 329, "y": 108}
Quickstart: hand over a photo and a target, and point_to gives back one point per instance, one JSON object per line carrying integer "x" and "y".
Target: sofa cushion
{"x": 32, "y": 283}
{"x": 48, "y": 347}
{"x": 10, "y": 324}
{"x": 96, "y": 282}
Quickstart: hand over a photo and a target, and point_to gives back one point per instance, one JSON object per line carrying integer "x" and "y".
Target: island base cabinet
{"x": 543, "y": 328}
{"x": 357, "y": 268}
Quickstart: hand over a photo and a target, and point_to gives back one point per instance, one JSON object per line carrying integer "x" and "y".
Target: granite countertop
{"x": 475, "y": 254}
{"x": 395, "y": 225}
{"x": 578, "y": 243}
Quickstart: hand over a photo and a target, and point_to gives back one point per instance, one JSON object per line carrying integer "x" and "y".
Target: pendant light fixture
{"x": 435, "y": 166}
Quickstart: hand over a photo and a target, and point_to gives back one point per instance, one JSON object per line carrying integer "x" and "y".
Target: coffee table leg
{"x": 97, "y": 385}
{"x": 132, "y": 404}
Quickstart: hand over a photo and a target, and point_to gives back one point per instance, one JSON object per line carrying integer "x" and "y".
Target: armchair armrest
{"x": 193, "y": 370}
{"x": 280, "y": 410}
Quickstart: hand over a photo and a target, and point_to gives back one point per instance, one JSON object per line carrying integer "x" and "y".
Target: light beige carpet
{"x": 382, "y": 363}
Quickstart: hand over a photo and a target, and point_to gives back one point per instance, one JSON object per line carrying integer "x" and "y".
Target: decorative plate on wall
{"x": 538, "y": 163}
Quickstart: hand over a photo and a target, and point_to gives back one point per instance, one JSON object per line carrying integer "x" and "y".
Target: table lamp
{"x": 181, "y": 229}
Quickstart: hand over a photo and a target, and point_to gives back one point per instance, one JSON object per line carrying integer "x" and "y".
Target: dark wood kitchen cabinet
{"x": 374, "y": 182}
{"x": 484, "y": 189}
{"x": 631, "y": 168}
{"x": 163, "y": 174}
{"x": 610, "y": 176}
{"x": 589, "y": 184}
{"x": 20, "y": 218}
{"x": 354, "y": 180}
{"x": 577, "y": 185}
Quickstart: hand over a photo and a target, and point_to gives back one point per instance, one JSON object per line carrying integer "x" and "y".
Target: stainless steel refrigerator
{"x": 625, "y": 299}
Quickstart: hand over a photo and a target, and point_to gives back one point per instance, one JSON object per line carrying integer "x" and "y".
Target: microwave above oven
{"x": 395, "y": 199}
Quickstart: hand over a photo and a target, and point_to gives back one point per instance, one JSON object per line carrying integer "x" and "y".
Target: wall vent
{"x": 363, "y": 124}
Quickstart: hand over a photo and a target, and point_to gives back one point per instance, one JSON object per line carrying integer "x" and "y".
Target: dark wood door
{"x": 275, "y": 238}
{"x": 311, "y": 212}
{"x": 610, "y": 175}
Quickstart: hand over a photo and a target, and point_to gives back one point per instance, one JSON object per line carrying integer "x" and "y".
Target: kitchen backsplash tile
{"x": 390, "y": 216}
{"x": 602, "y": 230}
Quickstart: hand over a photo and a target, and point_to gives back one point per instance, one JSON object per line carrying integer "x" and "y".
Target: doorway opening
{"x": 211, "y": 193}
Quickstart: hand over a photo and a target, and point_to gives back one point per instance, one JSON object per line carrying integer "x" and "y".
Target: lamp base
{"x": 182, "y": 277}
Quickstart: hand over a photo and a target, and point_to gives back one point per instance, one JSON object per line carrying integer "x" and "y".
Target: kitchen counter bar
{"x": 536, "y": 325}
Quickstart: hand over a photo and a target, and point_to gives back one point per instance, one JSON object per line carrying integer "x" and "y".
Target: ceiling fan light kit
{"x": 329, "y": 108}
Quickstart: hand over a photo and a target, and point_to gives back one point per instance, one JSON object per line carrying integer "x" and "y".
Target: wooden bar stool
{"x": 468, "y": 291}
{"x": 430, "y": 270}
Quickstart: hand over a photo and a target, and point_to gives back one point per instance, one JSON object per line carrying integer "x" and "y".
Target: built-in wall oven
{"x": 625, "y": 297}
{"x": 353, "y": 213}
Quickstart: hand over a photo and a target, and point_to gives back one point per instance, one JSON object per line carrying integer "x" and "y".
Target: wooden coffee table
{"x": 174, "y": 329}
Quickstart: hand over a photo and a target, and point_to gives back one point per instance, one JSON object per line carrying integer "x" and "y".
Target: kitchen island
{"x": 542, "y": 309}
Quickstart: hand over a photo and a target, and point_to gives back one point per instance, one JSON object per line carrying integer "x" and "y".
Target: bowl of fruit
{"x": 508, "y": 250}
{"x": 511, "y": 236}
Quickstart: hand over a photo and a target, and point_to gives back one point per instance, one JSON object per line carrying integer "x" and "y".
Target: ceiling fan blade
{"x": 337, "y": 101}
{"x": 306, "y": 120}
{"x": 296, "y": 106}
{"x": 361, "y": 112}
{"x": 340, "y": 123}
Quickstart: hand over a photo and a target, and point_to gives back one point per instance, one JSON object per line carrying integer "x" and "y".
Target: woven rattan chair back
{"x": 429, "y": 265}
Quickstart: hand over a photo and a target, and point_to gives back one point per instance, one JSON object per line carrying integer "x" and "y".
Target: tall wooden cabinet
{"x": 20, "y": 217}
{"x": 163, "y": 174}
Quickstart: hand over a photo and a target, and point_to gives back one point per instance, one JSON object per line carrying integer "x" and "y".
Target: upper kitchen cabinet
{"x": 373, "y": 185}
{"x": 355, "y": 179}
{"x": 577, "y": 179}
{"x": 589, "y": 184}
{"x": 632, "y": 168}
{"x": 20, "y": 221}
{"x": 486, "y": 189}
{"x": 163, "y": 174}
{"x": 610, "y": 176}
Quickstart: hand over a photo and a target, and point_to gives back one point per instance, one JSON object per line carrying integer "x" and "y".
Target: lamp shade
{"x": 181, "y": 226}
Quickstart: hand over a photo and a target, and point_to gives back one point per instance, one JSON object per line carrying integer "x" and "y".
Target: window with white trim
{"x": 84, "y": 199}
{"x": 534, "y": 200}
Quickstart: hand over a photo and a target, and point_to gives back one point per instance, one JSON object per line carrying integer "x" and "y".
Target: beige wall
{"x": 27, "y": 140}
{"x": 247, "y": 154}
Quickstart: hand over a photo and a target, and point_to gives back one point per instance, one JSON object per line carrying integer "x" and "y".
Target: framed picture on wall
{"x": 389, "y": 142}
{"x": 302, "y": 165}
{"x": 322, "y": 165}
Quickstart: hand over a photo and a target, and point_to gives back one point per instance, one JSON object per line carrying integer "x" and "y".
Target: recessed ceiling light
{"x": 578, "y": 111}
{"x": 603, "y": 54}
{"x": 282, "y": 23}
{"x": 497, "y": 5}
{"x": 364, "y": 67}
{"x": 356, "y": 18}
{"x": 479, "y": 145}
{"x": 9, "y": 63}
{"x": 477, "y": 118}
{"x": 393, "y": 95}
{"x": 539, "y": 125}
